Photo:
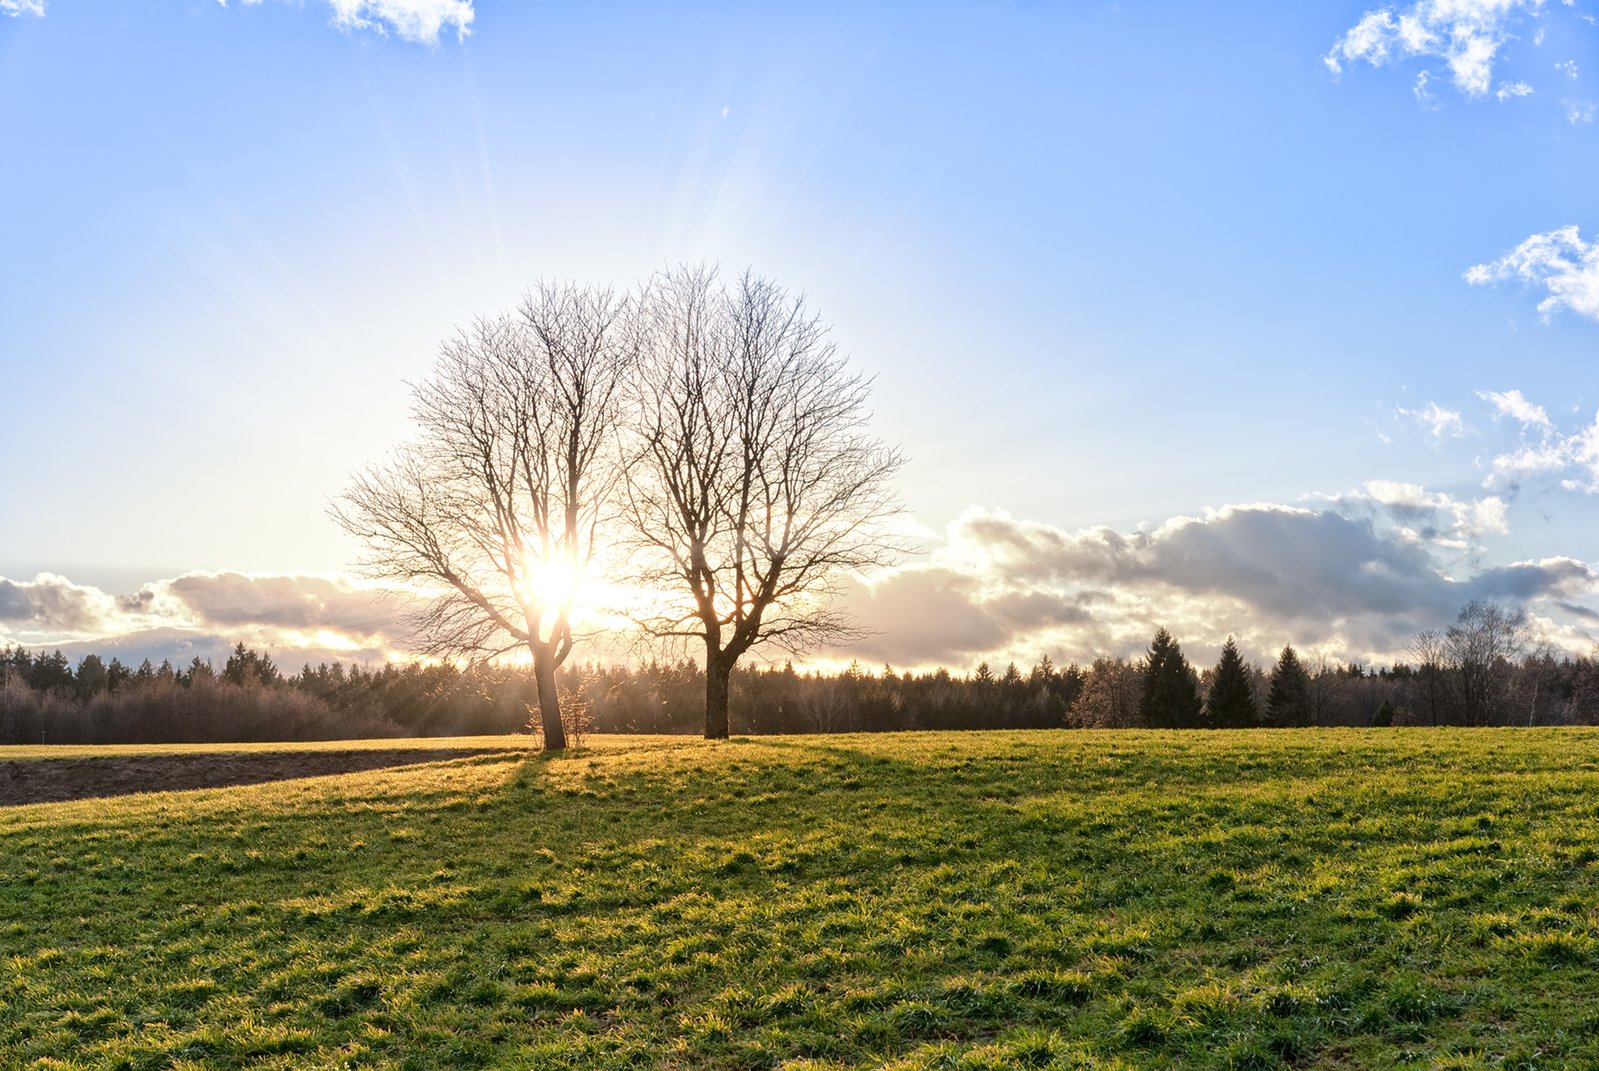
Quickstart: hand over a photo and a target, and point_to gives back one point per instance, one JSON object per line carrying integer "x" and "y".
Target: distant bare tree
{"x": 754, "y": 485}
{"x": 1432, "y": 661}
{"x": 1483, "y": 644}
{"x": 1110, "y": 696}
{"x": 1325, "y": 697}
{"x": 494, "y": 510}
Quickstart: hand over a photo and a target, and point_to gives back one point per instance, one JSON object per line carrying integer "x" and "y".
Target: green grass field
{"x": 1272, "y": 899}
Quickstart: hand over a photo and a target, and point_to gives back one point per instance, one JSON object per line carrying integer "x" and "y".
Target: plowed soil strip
{"x": 55, "y": 780}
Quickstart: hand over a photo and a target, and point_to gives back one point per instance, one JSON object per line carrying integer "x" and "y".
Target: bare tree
{"x": 755, "y": 486}
{"x": 1483, "y": 644}
{"x": 494, "y": 510}
{"x": 1432, "y": 661}
{"x": 1110, "y": 695}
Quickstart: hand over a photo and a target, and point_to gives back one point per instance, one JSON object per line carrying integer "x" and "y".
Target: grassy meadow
{"x": 1313, "y": 899}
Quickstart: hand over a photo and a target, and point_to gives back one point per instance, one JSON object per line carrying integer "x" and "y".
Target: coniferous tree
{"x": 1288, "y": 703}
{"x": 1171, "y": 687}
{"x": 1232, "y": 702}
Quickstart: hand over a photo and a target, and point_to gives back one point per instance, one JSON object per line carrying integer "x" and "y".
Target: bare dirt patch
{"x": 55, "y": 780}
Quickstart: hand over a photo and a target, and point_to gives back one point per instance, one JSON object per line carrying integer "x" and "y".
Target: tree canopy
{"x": 1171, "y": 687}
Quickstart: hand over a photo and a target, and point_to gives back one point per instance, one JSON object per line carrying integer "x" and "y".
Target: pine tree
{"x": 1171, "y": 687}
{"x": 1232, "y": 703}
{"x": 1288, "y": 703}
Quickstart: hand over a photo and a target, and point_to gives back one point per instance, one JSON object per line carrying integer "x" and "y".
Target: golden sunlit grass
{"x": 1316, "y": 899}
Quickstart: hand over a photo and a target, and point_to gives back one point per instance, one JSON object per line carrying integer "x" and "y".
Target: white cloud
{"x": 1507, "y": 90}
{"x": 1439, "y": 422}
{"x": 1569, "y": 68}
{"x": 1558, "y": 261}
{"x": 1354, "y": 580}
{"x": 1465, "y": 34}
{"x": 200, "y": 612}
{"x": 1513, "y": 404}
{"x": 53, "y": 602}
{"x": 1438, "y": 517}
{"x": 420, "y": 21}
{"x": 1580, "y": 112}
{"x": 23, "y": 7}
{"x": 1569, "y": 458}
{"x": 1424, "y": 95}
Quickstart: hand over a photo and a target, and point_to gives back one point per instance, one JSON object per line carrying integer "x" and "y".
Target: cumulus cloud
{"x": 420, "y": 21}
{"x": 1466, "y": 35}
{"x": 1437, "y": 420}
{"x": 203, "y": 612}
{"x": 53, "y": 603}
{"x": 1434, "y": 516}
{"x": 23, "y": 7}
{"x": 1559, "y": 262}
{"x": 1353, "y": 576}
{"x": 1353, "y": 580}
{"x": 292, "y": 602}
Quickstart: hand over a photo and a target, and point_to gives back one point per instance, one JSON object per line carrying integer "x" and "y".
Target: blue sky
{"x": 1155, "y": 272}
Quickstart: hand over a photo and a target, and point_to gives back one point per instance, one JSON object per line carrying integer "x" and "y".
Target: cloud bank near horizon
{"x": 1355, "y": 580}
{"x": 1353, "y": 575}
{"x": 1348, "y": 577}
{"x": 203, "y": 614}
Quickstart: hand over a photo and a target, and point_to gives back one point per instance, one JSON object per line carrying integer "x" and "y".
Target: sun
{"x": 553, "y": 582}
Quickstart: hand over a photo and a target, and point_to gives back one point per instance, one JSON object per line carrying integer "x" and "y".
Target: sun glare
{"x": 552, "y": 583}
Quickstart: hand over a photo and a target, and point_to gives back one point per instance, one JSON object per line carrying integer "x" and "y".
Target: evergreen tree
{"x": 116, "y": 674}
{"x": 1232, "y": 703}
{"x": 91, "y": 676}
{"x": 1288, "y": 703}
{"x": 1171, "y": 687}
{"x": 51, "y": 672}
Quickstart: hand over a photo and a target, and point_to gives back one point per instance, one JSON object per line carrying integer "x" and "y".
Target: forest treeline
{"x": 1480, "y": 671}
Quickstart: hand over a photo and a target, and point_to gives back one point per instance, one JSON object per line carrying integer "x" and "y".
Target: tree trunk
{"x": 718, "y": 670}
{"x": 549, "y": 701}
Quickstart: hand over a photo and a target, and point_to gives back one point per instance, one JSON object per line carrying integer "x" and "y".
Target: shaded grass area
{"x": 35, "y": 752}
{"x": 58, "y": 779}
{"x": 1248, "y": 900}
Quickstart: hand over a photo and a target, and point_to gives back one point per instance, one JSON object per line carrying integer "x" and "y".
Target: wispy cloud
{"x": 1559, "y": 262}
{"x": 421, "y": 21}
{"x": 1514, "y": 404}
{"x": 23, "y": 7}
{"x": 1465, "y": 34}
{"x": 1438, "y": 421}
{"x": 1567, "y": 459}
{"x": 1511, "y": 90}
{"x": 1571, "y": 458}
